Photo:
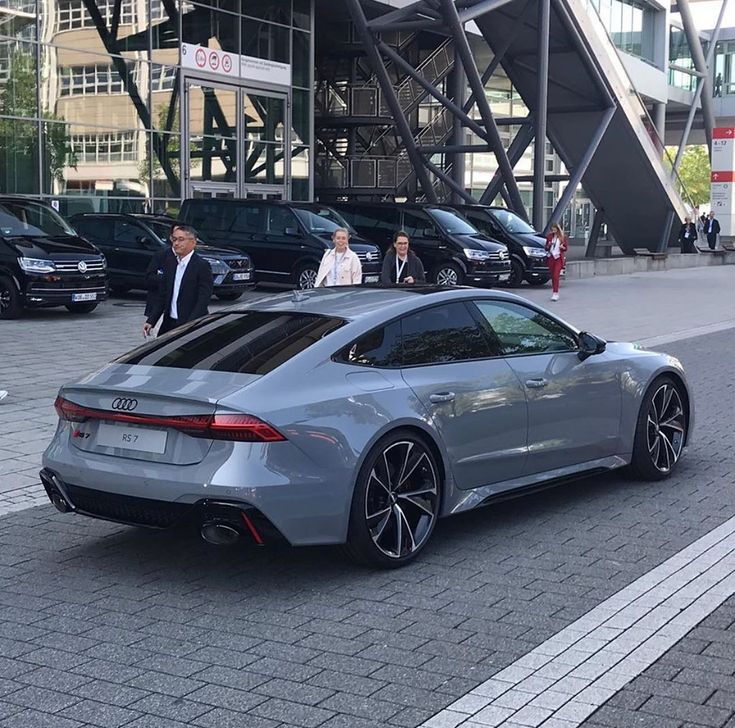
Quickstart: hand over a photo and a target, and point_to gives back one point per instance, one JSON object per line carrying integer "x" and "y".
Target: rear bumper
{"x": 250, "y": 523}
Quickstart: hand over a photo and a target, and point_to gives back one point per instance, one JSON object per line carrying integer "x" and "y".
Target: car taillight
{"x": 217, "y": 426}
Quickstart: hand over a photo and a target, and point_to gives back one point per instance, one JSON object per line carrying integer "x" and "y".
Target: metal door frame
{"x": 240, "y": 187}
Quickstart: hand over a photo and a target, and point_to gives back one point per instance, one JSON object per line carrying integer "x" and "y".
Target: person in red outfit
{"x": 556, "y": 248}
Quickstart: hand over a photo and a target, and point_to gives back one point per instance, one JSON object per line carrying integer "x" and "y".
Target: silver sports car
{"x": 358, "y": 416}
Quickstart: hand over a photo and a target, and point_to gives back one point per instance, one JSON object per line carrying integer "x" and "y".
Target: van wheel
{"x": 9, "y": 299}
{"x": 448, "y": 274}
{"x": 306, "y": 276}
{"x": 516, "y": 273}
{"x": 81, "y": 307}
{"x": 395, "y": 504}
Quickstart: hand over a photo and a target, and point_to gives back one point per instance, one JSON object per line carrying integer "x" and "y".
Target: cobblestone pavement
{"x": 104, "y": 625}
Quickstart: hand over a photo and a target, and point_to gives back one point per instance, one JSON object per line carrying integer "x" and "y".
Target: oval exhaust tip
{"x": 219, "y": 534}
{"x": 60, "y": 503}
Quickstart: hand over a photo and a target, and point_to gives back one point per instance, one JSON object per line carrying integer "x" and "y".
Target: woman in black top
{"x": 401, "y": 265}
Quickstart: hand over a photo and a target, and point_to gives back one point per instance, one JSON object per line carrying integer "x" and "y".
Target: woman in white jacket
{"x": 340, "y": 266}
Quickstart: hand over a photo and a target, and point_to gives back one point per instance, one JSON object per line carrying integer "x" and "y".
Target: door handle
{"x": 536, "y": 383}
{"x": 439, "y": 397}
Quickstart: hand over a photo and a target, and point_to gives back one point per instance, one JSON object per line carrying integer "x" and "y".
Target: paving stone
{"x": 100, "y": 714}
{"x": 292, "y": 713}
{"x": 36, "y": 719}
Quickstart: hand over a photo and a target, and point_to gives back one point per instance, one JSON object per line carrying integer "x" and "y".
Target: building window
{"x": 72, "y": 14}
{"x": 93, "y": 80}
{"x": 105, "y": 148}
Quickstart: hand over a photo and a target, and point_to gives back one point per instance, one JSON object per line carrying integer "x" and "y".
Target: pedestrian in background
{"x": 340, "y": 266}
{"x": 154, "y": 273}
{"x": 712, "y": 230}
{"x": 701, "y": 238}
{"x": 687, "y": 236}
{"x": 401, "y": 264}
{"x": 186, "y": 285}
{"x": 556, "y": 250}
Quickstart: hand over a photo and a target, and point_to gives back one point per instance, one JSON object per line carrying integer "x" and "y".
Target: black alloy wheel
{"x": 661, "y": 432}
{"x": 9, "y": 299}
{"x": 396, "y": 502}
{"x": 517, "y": 269}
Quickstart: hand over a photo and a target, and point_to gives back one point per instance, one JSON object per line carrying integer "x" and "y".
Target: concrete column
{"x": 659, "y": 120}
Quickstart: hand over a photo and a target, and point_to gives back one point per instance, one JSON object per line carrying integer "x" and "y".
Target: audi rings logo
{"x": 124, "y": 404}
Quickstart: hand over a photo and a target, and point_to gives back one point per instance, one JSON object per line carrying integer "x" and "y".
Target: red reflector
{"x": 219, "y": 426}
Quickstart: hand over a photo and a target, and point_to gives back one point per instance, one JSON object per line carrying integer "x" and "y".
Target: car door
{"x": 134, "y": 246}
{"x": 574, "y": 406}
{"x": 248, "y": 228}
{"x": 470, "y": 393}
{"x": 289, "y": 245}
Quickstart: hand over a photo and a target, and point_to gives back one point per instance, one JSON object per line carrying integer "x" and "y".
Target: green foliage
{"x": 19, "y": 146}
{"x": 694, "y": 173}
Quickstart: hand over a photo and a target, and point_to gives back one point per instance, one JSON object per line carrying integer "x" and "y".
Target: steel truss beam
{"x": 462, "y": 48}
{"x": 542, "y": 94}
{"x": 515, "y": 151}
{"x": 376, "y": 62}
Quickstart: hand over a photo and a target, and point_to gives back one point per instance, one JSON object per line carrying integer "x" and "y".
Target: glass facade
{"x": 723, "y": 78}
{"x": 680, "y": 56}
{"x": 98, "y": 111}
{"x": 630, "y": 25}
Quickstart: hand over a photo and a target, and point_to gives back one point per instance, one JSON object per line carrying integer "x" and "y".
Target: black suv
{"x": 286, "y": 240}
{"x": 452, "y": 250}
{"x": 527, "y": 248}
{"x": 44, "y": 263}
{"x": 130, "y": 242}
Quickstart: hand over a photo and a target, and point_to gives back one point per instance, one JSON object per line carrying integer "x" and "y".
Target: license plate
{"x": 132, "y": 438}
{"x": 241, "y": 276}
{"x": 371, "y": 279}
{"x": 76, "y": 297}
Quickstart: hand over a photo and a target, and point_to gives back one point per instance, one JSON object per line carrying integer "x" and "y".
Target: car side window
{"x": 97, "y": 230}
{"x": 210, "y": 215}
{"x": 380, "y": 348}
{"x": 417, "y": 223}
{"x": 522, "y": 330}
{"x": 444, "y": 333}
{"x": 280, "y": 218}
{"x": 374, "y": 217}
{"x": 249, "y": 219}
{"x": 128, "y": 233}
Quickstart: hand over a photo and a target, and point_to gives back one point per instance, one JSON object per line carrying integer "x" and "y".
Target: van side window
{"x": 376, "y": 217}
{"x": 249, "y": 219}
{"x": 280, "y": 218}
{"x": 210, "y": 215}
{"x": 415, "y": 223}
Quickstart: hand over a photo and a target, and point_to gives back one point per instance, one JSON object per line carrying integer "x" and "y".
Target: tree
{"x": 694, "y": 173}
{"x": 19, "y": 145}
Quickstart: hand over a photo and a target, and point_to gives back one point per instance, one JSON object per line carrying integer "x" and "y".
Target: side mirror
{"x": 428, "y": 232}
{"x": 292, "y": 232}
{"x": 590, "y": 345}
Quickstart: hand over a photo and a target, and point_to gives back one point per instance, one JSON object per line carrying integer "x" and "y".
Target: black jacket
{"x": 413, "y": 267}
{"x": 194, "y": 292}
{"x": 154, "y": 275}
{"x": 692, "y": 232}
{"x": 715, "y": 226}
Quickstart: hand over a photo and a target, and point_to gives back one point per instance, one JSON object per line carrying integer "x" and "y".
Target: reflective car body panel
{"x": 494, "y": 434}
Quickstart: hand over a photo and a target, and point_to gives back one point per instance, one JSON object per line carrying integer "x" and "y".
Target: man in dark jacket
{"x": 687, "y": 236}
{"x": 154, "y": 275}
{"x": 186, "y": 285}
{"x": 712, "y": 230}
{"x": 401, "y": 265}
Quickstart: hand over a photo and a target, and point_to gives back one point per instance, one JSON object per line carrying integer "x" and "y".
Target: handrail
{"x": 633, "y": 95}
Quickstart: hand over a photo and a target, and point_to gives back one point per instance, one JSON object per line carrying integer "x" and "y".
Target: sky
{"x": 705, "y": 14}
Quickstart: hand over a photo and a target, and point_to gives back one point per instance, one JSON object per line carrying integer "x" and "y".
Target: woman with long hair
{"x": 556, "y": 249}
{"x": 402, "y": 265}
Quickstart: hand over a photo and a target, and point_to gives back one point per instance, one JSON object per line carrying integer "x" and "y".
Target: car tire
{"x": 517, "y": 269}
{"x": 661, "y": 430}
{"x": 390, "y": 525}
{"x": 229, "y": 296}
{"x": 305, "y": 276}
{"x": 81, "y": 307}
{"x": 10, "y": 305}
{"x": 537, "y": 282}
{"x": 448, "y": 274}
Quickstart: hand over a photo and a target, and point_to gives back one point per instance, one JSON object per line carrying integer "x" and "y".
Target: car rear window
{"x": 246, "y": 342}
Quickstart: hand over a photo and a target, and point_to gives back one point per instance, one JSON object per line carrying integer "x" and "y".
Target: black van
{"x": 44, "y": 263}
{"x": 452, "y": 250}
{"x": 285, "y": 240}
{"x": 130, "y": 242}
{"x": 527, "y": 248}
